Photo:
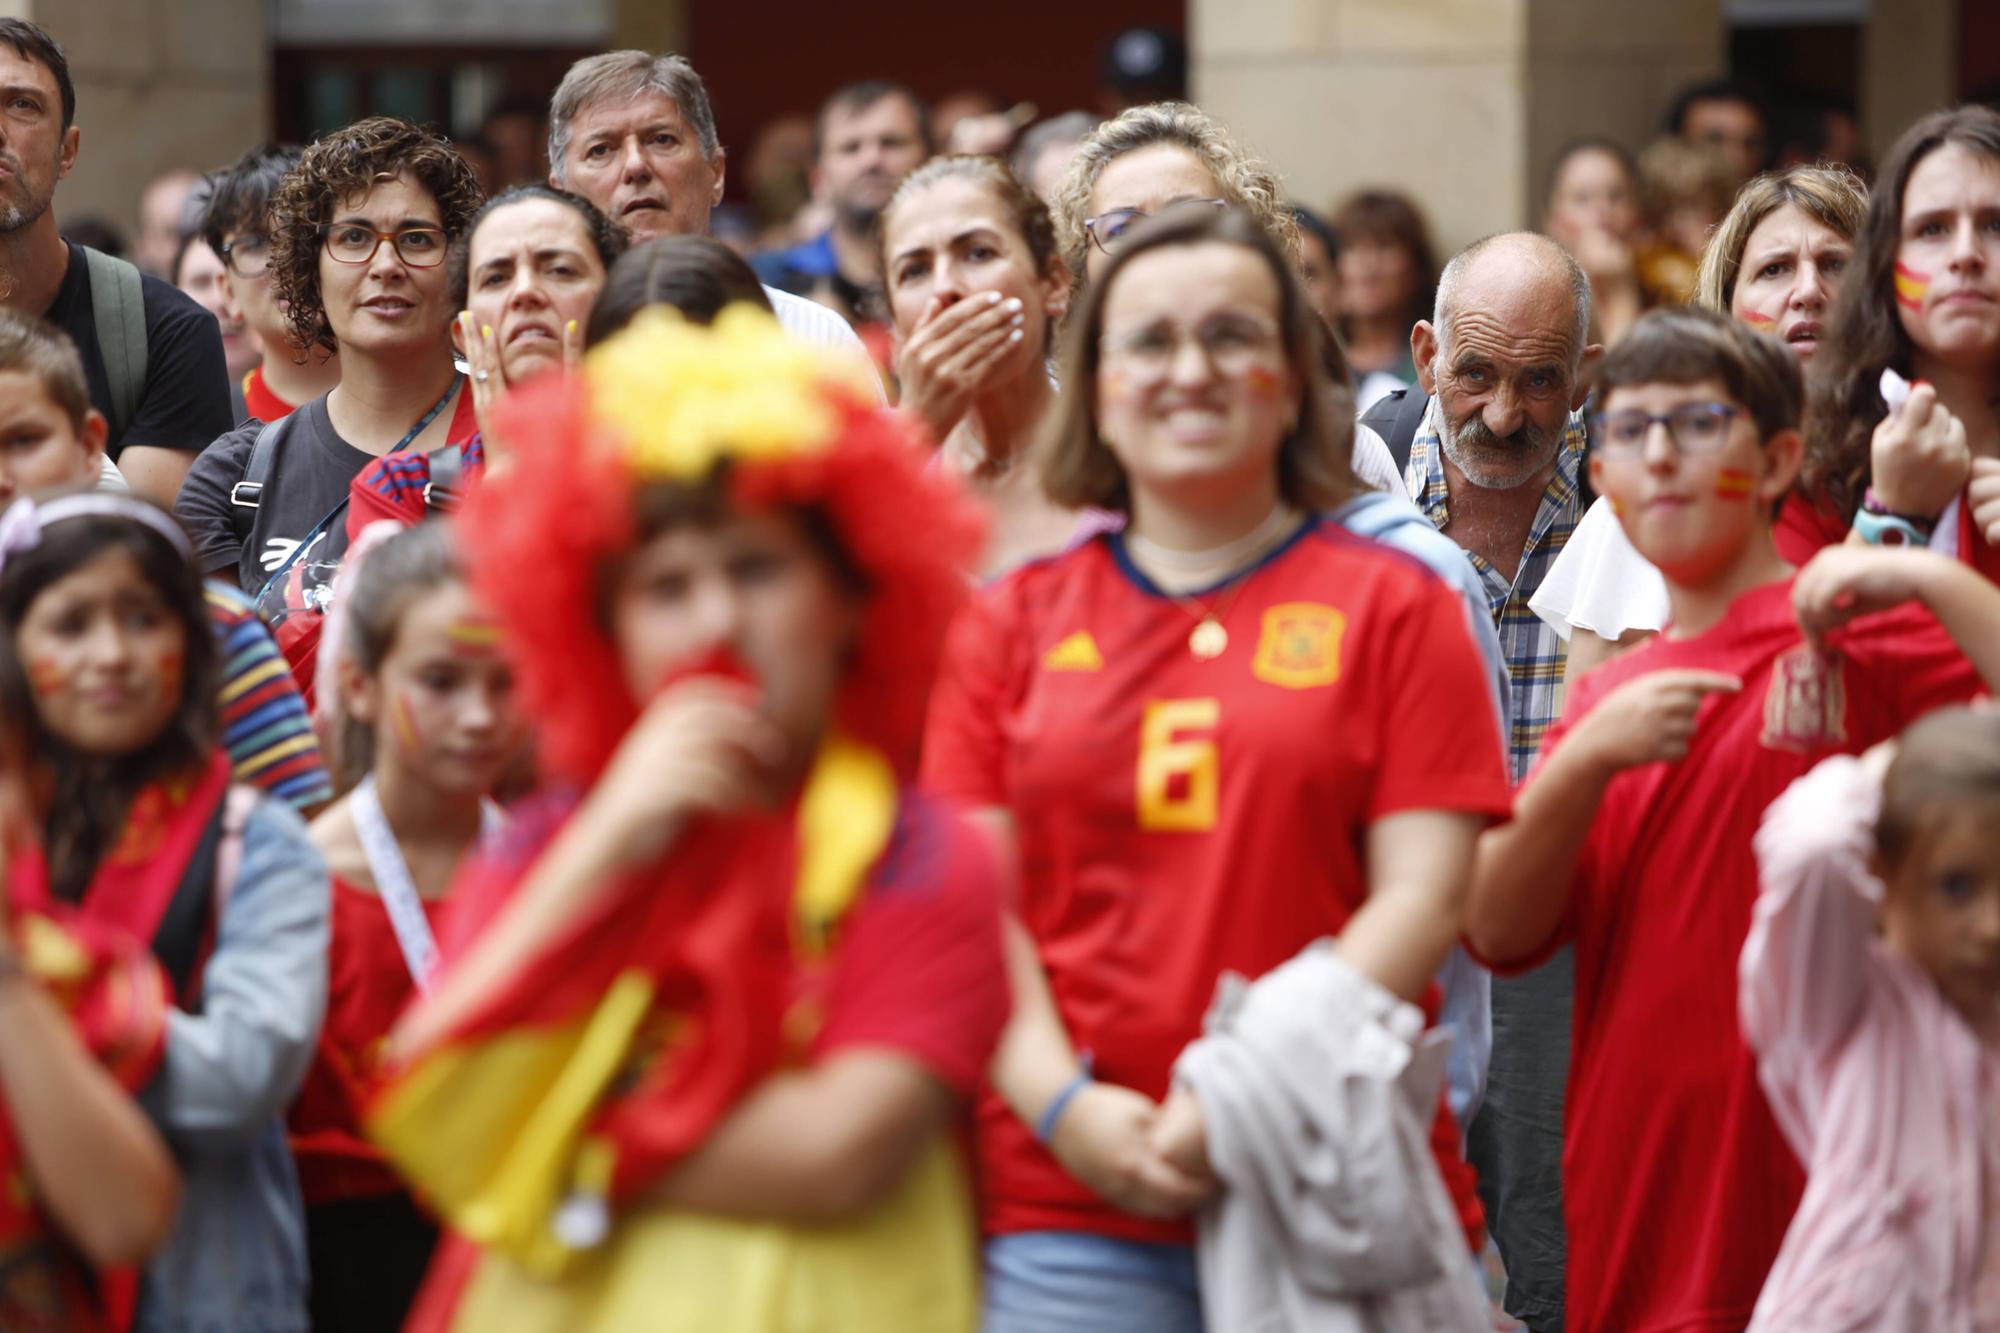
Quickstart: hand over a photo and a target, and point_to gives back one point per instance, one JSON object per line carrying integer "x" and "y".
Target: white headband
{"x": 22, "y": 526}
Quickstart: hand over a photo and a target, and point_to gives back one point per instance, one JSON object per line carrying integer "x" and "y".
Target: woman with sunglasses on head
{"x": 359, "y": 233}
{"x": 1168, "y": 153}
{"x": 1775, "y": 264}
{"x": 1215, "y": 737}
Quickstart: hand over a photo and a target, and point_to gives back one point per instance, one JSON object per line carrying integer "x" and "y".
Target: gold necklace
{"x": 1209, "y": 640}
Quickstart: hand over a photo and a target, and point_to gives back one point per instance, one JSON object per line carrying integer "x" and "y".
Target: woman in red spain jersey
{"x": 1922, "y": 299}
{"x": 1225, "y": 732}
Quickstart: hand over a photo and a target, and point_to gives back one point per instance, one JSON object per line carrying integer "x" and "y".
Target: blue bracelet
{"x": 1045, "y": 1128}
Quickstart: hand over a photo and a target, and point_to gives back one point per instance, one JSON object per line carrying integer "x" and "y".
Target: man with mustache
{"x": 151, "y": 356}
{"x": 868, "y": 137}
{"x": 1495, "y": 464}
{"x": 634, "y": 133}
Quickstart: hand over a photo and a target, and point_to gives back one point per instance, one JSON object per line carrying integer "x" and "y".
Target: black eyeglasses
{"x": 1107, "y": 230}
{"x": 247, "y": 256}
{"x": 1694, "y": 428}
{"x": 352, "y": 243}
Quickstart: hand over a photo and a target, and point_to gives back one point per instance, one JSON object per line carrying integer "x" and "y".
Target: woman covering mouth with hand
{"x": 523, "y": 278}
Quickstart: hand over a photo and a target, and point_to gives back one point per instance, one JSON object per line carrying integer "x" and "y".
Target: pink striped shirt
{"x": 1885, "y": 1092}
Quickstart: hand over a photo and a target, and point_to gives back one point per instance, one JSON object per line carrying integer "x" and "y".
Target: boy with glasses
{"x": 236, "y": 227}
{"x": 1633, "y": 836}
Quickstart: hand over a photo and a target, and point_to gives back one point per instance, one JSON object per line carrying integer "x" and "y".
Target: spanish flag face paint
{"x": 1911, "y": 287}
{"x": 1757, "y": 319}
{"x": 1735, "y": 484}
{"x": 46, "y": 678}
{"x": 473, "y": 636}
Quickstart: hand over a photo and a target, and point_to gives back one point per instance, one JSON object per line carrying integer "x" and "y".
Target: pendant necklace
{"x": 1209, "y": 640}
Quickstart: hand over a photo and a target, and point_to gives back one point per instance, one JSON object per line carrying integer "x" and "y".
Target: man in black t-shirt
{"x": 182, "y": 397}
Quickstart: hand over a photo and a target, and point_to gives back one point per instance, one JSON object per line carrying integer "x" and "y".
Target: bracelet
{"x": 1889, "y": 530}
{"x": 1872, "y": 504}
{"x": 1045, "y": 1128}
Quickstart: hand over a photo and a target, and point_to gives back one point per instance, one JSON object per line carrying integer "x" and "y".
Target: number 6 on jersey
{"x": 1179, "y": 774}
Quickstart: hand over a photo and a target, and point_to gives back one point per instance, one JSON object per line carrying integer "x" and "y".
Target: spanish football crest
{"x": 1805, "y": 708}
{"x": 1300, "y": 645}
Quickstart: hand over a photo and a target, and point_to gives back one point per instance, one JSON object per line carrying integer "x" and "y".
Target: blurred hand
{"x": 1918, "y": 458}
{"x": 1180, "y": 1137}
{"x": 1846, "y": 581}
{"x": 1102, "y": 1138}
{"x": 1983, "y": 494}
{"x": 990, "y": 135}
{"x": 1648, "y": 719}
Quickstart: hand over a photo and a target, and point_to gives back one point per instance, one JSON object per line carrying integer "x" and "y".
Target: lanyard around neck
{"x": 393, "y": 882}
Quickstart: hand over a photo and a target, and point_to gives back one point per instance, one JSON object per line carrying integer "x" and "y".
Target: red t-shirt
{"x": 1179, "y": 818}
{"x": 1803, "y": 527}
{"x": 367, "y": 986}
{"x": 1677, "y": 1185}
{"x": 258, "y": 399}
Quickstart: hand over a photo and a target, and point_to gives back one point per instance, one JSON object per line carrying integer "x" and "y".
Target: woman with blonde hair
{"x": 1774, "y": 263}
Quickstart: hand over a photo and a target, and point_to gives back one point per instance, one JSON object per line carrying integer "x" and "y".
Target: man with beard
{"x": 1495, "y": 464}
{"x": 868, "y": 137}
{"x": 634, "y": 133}
{"x": 152, "y": 357}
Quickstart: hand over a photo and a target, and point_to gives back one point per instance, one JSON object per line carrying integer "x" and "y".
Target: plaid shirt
{"x": 1533, "y": 650}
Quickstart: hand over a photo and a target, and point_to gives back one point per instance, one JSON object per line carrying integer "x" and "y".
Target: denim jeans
{"x": 1077, "y": 1282}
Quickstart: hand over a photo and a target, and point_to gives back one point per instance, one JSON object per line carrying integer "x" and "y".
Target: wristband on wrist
{"x": 1871, "y": 503}
{"x": 1890, "y": 530}
{"x": 1045, "y": 1128}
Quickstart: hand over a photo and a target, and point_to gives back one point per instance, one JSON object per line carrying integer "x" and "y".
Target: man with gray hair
{"x": 1495, "y": 464}
{"x": 634, "y": 133}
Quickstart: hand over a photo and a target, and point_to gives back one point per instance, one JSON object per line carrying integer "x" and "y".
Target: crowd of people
{"x": 1083, "y": 748}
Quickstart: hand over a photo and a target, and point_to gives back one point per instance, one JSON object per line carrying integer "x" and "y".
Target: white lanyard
{"x": 392, "y": 877}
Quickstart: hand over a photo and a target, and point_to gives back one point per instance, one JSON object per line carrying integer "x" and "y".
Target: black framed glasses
{"x": 1694, "y": 428}
{"x": 352, "y": 243}
{"x": 248, "y": 256}
{"x": 1107, "y": 230}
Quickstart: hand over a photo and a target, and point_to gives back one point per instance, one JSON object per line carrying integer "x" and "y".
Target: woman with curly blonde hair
{"x": 1145, "y": 159}
{"x": 359, "y": 233}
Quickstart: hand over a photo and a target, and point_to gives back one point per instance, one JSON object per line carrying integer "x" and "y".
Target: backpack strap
{"x": 246, "y": 495}
{"x": 118, "y": 304}
{"x": 1396, "y": 417}
{"x": 211, "y": 878}
{"x": 441, "y": 494}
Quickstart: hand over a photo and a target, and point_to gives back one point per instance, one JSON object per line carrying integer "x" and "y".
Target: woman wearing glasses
{"x": 237, "y": 227}
{"x": 1225, "y": 732}
{"x": 359, "y": 231}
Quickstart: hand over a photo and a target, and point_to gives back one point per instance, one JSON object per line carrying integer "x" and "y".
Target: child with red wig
{"x": 705, "y": 1012}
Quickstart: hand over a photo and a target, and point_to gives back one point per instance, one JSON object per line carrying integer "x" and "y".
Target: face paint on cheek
{"x": 47, "y": 678}
{"x": 172, "y": 668}
{"x": 1911, "y": 287}
{"x": 1757, "y": 319}
{"x": 1734, "y": 484}
{"x": 1261, "y": 381}
{"x": 1617, "y": 505}
{"x": 473, "y": 637}
{"x": 405, "y": 725}
{"x": 1113, "y": 389}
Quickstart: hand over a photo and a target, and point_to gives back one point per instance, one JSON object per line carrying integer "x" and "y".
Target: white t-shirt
{"x": 809, "y": 321}
{"x": 1600, "y": 583}
{"x": 1373, "y": 462}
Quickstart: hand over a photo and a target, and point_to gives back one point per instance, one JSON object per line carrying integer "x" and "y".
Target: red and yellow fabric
{"x": 116, "y": 998}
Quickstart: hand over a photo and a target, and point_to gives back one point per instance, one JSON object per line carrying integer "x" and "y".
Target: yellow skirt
{"x": 908, "y": 1265}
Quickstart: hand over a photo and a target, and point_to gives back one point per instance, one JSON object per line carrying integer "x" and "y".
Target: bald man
{"x": 1495, "y": 464}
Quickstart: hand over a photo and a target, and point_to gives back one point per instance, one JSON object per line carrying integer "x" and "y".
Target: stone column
{"x": 1460, "y": 103}
{"x": 158, "y": 86}
{"x": 1909, "y": 67}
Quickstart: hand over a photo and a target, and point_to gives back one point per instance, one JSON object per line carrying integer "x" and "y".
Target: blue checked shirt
{"x": 1534, "y": 652}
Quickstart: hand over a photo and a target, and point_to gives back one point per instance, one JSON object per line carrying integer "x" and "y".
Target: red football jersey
{"x": 368, "y": 984}
{"x": 1180, "y": 817}
{"x": 1677, "y": 1185}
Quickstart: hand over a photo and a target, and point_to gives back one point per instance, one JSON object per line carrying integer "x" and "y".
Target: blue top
{"x": 236, "y": 1259}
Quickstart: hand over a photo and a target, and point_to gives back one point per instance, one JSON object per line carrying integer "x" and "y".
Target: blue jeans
{"x": 1077, "y": 1282}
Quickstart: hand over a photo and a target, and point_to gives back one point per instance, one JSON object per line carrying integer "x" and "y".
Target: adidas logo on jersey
{"x": 1076, "y": 653}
